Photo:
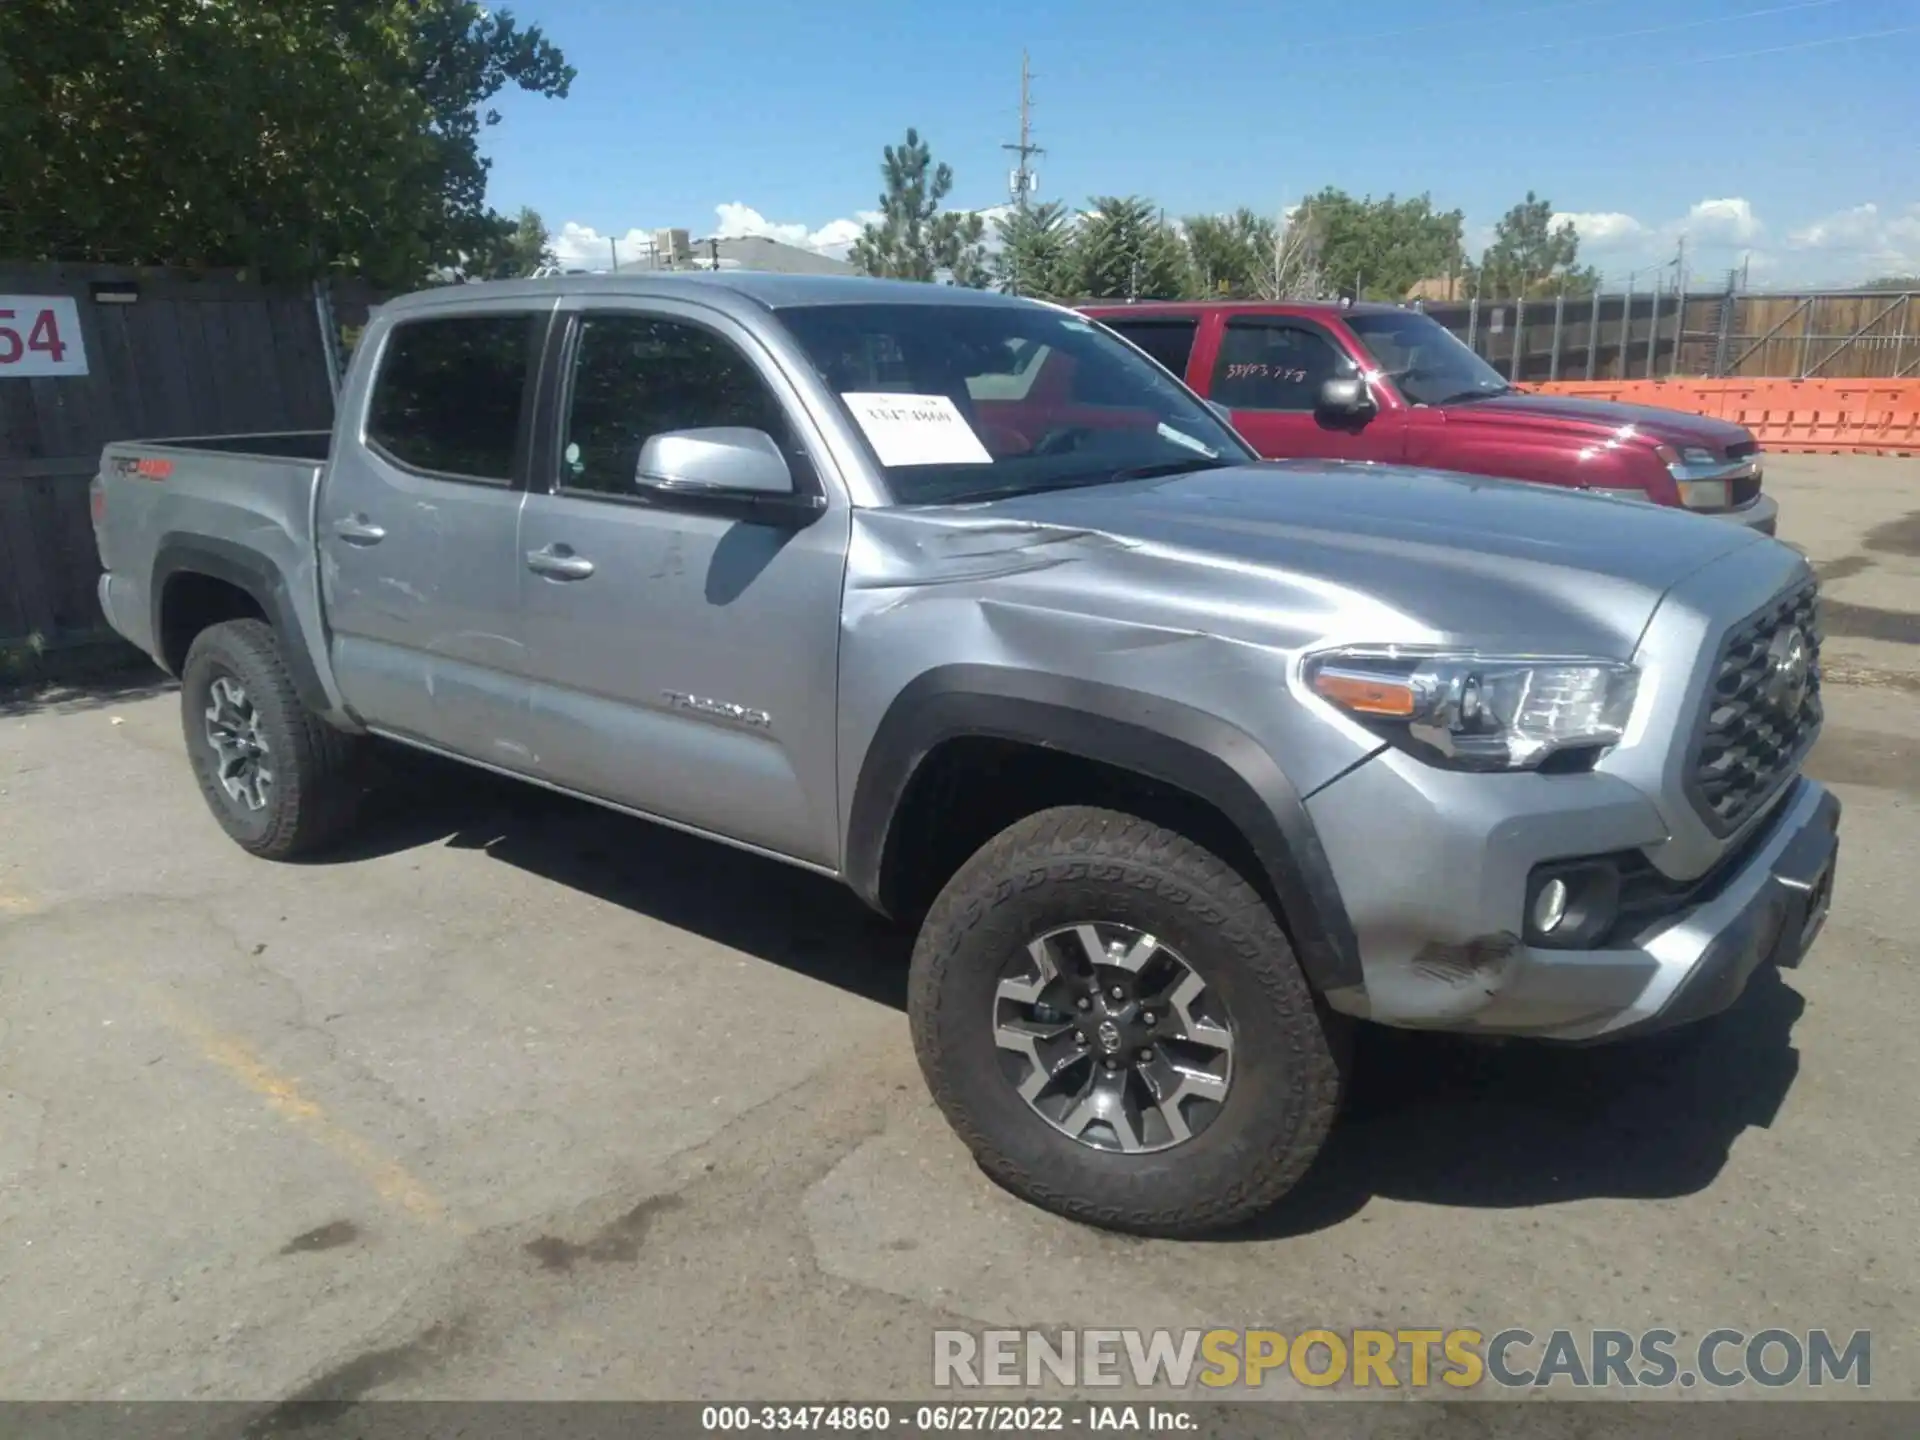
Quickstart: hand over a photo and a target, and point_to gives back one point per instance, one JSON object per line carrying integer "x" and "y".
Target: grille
{"x": 1742, "y": 491}
{"x": 1751, "y": 736}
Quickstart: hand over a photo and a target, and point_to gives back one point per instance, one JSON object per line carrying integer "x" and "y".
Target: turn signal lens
{"x": 1366, "y": 694}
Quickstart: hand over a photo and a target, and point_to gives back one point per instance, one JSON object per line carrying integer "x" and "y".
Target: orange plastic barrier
{"x": 1822, "y": 417}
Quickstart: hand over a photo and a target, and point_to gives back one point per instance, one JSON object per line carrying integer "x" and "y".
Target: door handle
{"x": 358, "y": 530}
{"x": 558, "y": 562}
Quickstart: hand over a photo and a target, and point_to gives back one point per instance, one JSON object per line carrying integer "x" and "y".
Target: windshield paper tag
{"x": 1180, "y": 437}
{"x": 917, "y": 430}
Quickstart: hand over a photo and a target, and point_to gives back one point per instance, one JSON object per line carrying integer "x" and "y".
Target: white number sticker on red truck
{"x": 40, "y": 335}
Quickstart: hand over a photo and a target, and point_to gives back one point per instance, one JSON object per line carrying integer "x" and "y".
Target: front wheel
{"x": 281, "y": 781}
{"x": 1114, "y": 1023}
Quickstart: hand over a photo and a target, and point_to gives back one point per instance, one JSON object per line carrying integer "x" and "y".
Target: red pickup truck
{"x": 1377, "y": 382}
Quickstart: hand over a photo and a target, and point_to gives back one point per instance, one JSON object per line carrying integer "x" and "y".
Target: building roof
{"x": 758, "y": 252}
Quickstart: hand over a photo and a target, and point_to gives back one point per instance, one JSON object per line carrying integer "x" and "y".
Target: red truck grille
{"x": 1761, "y": 712}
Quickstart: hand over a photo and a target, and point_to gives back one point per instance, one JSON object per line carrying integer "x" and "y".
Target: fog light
{"x": 1550, "y": 906}
{"x": 1571, "y": 905}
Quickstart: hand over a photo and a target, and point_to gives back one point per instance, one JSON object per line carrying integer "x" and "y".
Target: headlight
{"x": 1694, "y": 455}
{"x": 1479, "y": 712}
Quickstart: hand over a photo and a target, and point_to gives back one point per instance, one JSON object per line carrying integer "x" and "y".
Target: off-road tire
{"x": 318, "y": 771}
{"x": 1072, "y": 864}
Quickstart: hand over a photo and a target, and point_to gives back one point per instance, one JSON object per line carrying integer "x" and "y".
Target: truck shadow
{"x": 1432, "y": 1119}
{"x": 1442, "y": 1120}
{"x": 801, "y": 921}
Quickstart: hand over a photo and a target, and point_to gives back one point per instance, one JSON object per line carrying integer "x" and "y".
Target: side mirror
{"x": 720, "y": 458}
{"x": 1346, "y": 395}
{"x": 727, "y": 468}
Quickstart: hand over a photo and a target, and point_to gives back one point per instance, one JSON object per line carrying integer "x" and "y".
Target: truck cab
{"x": 1382, "y": 383}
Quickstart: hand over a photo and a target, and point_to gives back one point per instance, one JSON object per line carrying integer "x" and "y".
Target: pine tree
{"x": 1036, "y": 251}
{"x": 914, "y": 238}
{"x": 1125, "y": 251}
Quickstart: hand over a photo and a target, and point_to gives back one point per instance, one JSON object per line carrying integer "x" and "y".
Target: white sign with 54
{"x": 40, "y": 335}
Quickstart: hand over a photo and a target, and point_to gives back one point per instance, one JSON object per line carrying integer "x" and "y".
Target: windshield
{"x": 1424, "y": 359}
{"x": 977, "y": 402}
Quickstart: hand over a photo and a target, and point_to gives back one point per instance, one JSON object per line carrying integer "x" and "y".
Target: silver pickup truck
{"x": 1181, "y": 762}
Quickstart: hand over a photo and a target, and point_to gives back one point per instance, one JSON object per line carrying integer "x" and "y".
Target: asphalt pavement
{"x": 517, "y": 1098}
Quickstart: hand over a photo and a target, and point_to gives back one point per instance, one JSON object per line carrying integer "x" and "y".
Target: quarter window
{"x": 449, "y": 394}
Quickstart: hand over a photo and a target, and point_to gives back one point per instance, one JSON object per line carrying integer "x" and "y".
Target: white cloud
{"x": 1845, "y": 229}
{"x": 1880, "y": 241}
{"x": 1729, "y": 222}
{"x": 1601, "y": 229}
{"x": 581, "y": 247}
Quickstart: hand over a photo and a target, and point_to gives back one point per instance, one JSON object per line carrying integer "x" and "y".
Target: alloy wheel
{"x": 1113, "y": 1038}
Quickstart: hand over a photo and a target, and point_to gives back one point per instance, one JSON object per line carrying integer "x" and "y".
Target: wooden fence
{"x": 1840, "y": 335}
{"x": 167, "y": 353}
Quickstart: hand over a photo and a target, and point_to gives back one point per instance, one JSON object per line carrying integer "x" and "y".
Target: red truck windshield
{"x": 1423, "y": 358}
{"x": 972, "y": 402}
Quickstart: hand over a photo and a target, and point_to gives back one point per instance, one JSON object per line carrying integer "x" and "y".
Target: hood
{"x": 1677, "y": 427}
{"x": 1295, "y": 553}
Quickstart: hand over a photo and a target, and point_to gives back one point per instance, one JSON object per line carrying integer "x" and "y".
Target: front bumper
{"x": 1762, "y": 513}
{"x": 1441, "y": 950}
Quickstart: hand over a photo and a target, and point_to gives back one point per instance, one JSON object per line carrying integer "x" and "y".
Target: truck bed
{"x": 247, "y": 495}
{"x": 269, "y": 444}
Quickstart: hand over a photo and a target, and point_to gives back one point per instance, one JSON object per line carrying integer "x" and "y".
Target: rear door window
{"x": 451, "y": 393}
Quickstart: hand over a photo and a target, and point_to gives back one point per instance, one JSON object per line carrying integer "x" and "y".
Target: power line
{"x": 1369, "y": 36}
{"x": 1641, "y": 66}
{"x": 1680, "y": 25}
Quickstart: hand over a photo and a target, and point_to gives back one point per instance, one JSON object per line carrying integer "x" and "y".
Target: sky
{"x": 1780, "y": 133}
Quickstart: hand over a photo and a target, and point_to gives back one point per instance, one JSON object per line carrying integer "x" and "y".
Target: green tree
{"x": 518, "y": 248}
{"x": 1036, "y": 251}
{"x": 1232, "y": 256}
{"x": 1894, "y": 282}
{"x": 1385, "y": 247}
{"x": 288, "y": 137}
{"x": 915, "y": 239}
{"x": 1530, "y": 256}
{"x": 1123, "y": 250}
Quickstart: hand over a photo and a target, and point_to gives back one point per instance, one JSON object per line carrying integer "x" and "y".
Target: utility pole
{"x": 1020, "y": 184}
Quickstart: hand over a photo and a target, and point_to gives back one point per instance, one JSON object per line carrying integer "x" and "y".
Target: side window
{"x": 449, "y": 394}
{"x": 1274, "y": 365}
{"x": 1168, "y": 341}
{"x": 635, "y": 377}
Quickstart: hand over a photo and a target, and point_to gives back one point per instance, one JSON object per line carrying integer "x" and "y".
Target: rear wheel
{"x": 1115, "y": 1024}
{"x": 280, "y": 780}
